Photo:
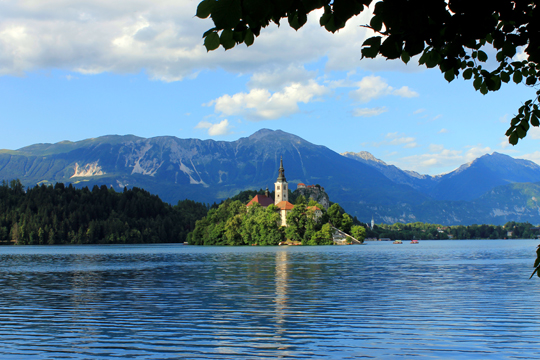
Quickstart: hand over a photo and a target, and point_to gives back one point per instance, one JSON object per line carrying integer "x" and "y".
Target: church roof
{"x": 314, "y": 208}
{"x": 281, "y": 176}
{"x": 261, "y": 199}
{"x": 285, "y": 205}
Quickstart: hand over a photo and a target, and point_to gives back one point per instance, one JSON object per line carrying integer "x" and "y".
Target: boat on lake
{"x": 397, "y": 242}
{"x": 414, "y": 241}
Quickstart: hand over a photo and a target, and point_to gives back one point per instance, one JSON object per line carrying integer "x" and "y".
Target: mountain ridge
{"x": 209, "y": 170}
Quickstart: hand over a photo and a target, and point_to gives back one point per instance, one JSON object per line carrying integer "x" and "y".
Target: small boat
{"x": 414, "y": 241}
{"x": 397, "y": 242}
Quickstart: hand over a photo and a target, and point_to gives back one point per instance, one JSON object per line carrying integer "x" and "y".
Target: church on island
{"x": 281, "y": 189}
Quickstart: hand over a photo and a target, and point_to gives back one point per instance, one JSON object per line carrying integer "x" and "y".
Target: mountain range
{"x": 492, "y": 189}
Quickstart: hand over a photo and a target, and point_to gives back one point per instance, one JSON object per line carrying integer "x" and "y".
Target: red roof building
{"x": 263, "y": 200}
{"x": 285, "y": 205}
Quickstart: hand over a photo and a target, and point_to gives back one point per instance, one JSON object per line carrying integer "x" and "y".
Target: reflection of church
{"x": 282, "y": 196}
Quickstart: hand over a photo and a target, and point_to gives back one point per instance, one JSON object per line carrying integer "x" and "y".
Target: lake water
{"x": 437, "y": 299}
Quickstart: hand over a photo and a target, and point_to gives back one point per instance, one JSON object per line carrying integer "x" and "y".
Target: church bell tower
{"x": 282, "y": 192}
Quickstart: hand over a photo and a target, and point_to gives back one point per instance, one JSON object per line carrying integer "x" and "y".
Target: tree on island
{"x": 452, "y": 35}
{"x": 232, "y": 223}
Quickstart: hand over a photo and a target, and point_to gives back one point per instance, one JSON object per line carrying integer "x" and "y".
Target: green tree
{"x": 358, "y": 232}
{"x": 452, "y": 35}
{"x": 322, "y": 237}
{"x": 296, "y": 223}
{"x": 301, "y": 199}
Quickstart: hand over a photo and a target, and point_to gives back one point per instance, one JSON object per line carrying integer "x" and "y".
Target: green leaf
{"x": 226, "y": 13}
{"x": 494, "y": 83}
{"x": 477, "y": 83}
{"x": 433, "y": 59}
{"x": 391, "y": 48}
{"x": 517, "y": 77}
{"x": 226, "y": 39}
{"x": 534, "y": 120}
{"x": 531, "y": 80}
{"x": 467, "y": 74}
{"x": 376, "y": 23}
{"x": 211, "y": 41}
{"x": 325, "y": 18}
{"x": 449, "y": 75}
{"x": 521, "y": 132}
{"x": 374, "y": 44}
{"x": 331, "y": 24}
{"x": 208, "y": 32}
{"x": 513, "y": 139}
{"x": 484, "y": 89}
{"x": 249, "y": 38}
{"x": 405, "y": 57}
{"x": 514, "y": 121}
{"x": 204, "y": 9}
{"x": 505, "y": 77}
{"x": 482, "y": 56}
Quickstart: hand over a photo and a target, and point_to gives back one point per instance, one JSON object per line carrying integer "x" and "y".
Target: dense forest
{"x": 423, "y": 231}
{"x": 66, "y": 215}
{"x": 232, "y": 223}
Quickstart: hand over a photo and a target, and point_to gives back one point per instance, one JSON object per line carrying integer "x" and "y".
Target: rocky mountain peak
{"x": 365, "y": 155}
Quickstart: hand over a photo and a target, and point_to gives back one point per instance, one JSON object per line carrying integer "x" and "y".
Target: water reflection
{"x": 281, "y": 298}
{"x": 432, "y": 300}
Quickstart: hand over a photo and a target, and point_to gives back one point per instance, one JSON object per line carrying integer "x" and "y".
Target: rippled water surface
{"x": 437, "y": 299}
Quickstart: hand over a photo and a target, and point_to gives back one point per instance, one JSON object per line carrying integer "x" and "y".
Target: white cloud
{"x": 221, "y": 128}
{"x": 163, "y": 38}
{"x": 534, "y": 156}
{"x": 373, "y": 87}
{"x": 440, "y": 160}
{"x": 419, "y": 111}
{"x": 261, "y": 104}
{"x": 533, "y": 133}
{"x": 369, "y": 88}
{"x": 405, "y": 92}
{"x": 436, "y": 148}
{"x": 443, "y": 131}
{"x": 395, "y": 139}
{"x": 278, "y": 78}
{"x": 369, "y": 112}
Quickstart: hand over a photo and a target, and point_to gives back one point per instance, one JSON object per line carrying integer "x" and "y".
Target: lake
{"x": 438, "y": 299}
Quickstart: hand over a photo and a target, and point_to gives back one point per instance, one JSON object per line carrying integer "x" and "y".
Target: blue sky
{"x": 72, "y": 70}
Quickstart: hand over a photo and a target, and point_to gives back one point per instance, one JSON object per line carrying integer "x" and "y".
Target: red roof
{"x": 261, "y": 199}
{"x": 285, "y": 205}
{"x": 314, "y": 208}
{"x": 301, "y": 184}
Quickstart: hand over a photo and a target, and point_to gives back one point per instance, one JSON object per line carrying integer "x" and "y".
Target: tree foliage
{"x": 65, "y": 215}
{"x": 232, "y": 223}
{"x": 454, "y": 35}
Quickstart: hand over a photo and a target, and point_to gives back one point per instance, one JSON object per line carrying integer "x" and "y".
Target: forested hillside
{"x": 66, "y": 215}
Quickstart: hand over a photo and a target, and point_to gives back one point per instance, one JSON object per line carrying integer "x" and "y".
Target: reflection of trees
{"x": 281, "y": 295}
{"x": 85, "y": 295}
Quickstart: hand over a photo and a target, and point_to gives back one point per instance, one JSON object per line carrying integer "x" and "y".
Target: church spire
{"x": 281, "y": 176}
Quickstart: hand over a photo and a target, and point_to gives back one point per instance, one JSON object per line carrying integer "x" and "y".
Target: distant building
{"x": 264, "y": 200}
{"x": 285, "y": 207}
{"x": 282, "y": 192}
{"x": 281, "y": 200}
